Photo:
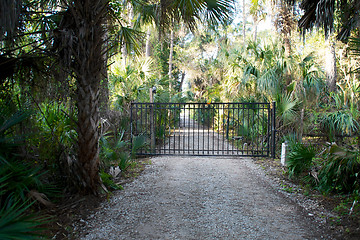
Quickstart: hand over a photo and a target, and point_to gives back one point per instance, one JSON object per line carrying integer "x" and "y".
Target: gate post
{"x": 152, "y": 126}
{"x": 131, "y": 127}
{"x": 273, "y": 129}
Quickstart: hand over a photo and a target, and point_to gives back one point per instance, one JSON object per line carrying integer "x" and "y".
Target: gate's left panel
{"x": 151, "y": 122}
{"x": 140, "y": 127}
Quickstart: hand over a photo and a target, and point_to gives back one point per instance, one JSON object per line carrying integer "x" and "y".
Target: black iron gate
{"x": 244, "y": 129}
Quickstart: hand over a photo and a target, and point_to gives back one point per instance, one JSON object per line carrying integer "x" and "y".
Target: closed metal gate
{"x": 220, "y": 129}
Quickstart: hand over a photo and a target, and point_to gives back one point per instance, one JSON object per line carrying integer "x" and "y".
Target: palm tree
{"x": 285, "y": 24}
{"x": 86, "y": 27}
{"x": 86, "y": 36}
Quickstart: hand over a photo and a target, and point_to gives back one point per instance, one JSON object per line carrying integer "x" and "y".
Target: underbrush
{"x": 334, "y": 172}
{"x": 37, "y": 148}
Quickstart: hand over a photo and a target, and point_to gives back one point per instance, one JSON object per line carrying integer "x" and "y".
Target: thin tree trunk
{"x": 171, "y": 60}
{"x": 124, "y": 53}
{"x": 147, "y": 46}
{"x": 255, "y": 33}
{"x": 244, "y": 22}
{"x": 330, "y": 68}
{"x": 301, "y": 128}
{"x": 182, "y": 80}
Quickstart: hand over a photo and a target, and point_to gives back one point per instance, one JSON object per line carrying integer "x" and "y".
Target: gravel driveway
{"x": 200, "y": 198}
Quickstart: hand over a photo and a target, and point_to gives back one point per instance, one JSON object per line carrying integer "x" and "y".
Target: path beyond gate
{"x": 202, "y": 129}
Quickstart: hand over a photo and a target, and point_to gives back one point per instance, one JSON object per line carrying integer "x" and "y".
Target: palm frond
{"x": 341, "y": 171}
{"x": 15, "y": 224}
{"x": 354, "y": 44}
{"x": 130, "y": 38}
{"x": 219, "y": 11}
{"x": 339, "y": 122}
{"x": 269, "y": 80}
{"x": 299, "y": 159}
{"x": 285, "y": 107}
{"x": 13, "y": 120}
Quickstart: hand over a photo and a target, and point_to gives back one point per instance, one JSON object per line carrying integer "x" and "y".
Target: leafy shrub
{"x": 56, "y": 133}
{"x": 15, "y": 223}
{"x": 113, "y": 149}
{"x": 18, "y": 177}
{"x": 299, "y": 159}
{"x": 338, "y": 122}
{"x": 17, "y": 180}
{"x": 108, "y": 182}
{"x": 340, "y": 173}
{"x": 137, "y": 143}
{"x": 8, "y": 139}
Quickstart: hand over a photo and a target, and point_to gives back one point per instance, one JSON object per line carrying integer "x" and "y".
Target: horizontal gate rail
{"x": 203, "y": 129}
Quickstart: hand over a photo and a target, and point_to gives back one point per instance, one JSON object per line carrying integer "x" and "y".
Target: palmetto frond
{"x": 130, "y": 38}
{"x": 189, "y": 11}
{"x": 320, "y": 13}
{"x": 269, "y": 80}
{"x": 285, "y": 108}
{"x": 355, "y": 46}
{"x": 355, "y": 49}
{"x": 219, "y": 11}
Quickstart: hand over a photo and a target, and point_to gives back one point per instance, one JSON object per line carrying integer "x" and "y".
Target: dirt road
{"x": 200, "y": 198}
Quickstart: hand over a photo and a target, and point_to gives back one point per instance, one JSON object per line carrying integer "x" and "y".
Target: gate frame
{"x": 271, "y": 125}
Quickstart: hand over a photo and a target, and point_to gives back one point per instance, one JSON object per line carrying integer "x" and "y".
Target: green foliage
{"x": 286, "y": 108}
{"x": 138, "y": 143}
{"x": 338, "y": 122}
{"x": 55, "y": 123}
{"x": 299, "y": 159}
{"x": 116, "y": 151}
{"x": 55, "y": 135}
{"x": 17, "y": 179}
{"x": 131, "y": 81}
{"x": 113, "y": 150}
{"x": 108, "y": 182}
{"x": 9, "y": 140}
{"x": 16, "y": 223}
{"x": 340, "y": 172}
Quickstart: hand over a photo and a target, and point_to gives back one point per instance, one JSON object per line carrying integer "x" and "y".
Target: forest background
{"x": 70, "y": 69}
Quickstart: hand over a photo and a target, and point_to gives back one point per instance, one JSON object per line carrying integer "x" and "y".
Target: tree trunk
{"x": 287, "y": 45}
{"x": 104, "y": 85}
{"x": 244, "y": 22}
{"x": 287, "y": 26}
{"x": 301, "y": 125}
{"x": 124, "y": 53}
{"x": 255, "y": 33}
{"x": 88, "y": 54}
{"x": 286, "y": 19}
{"x": 147, "y": 46}
{"x": 330, "y": 68}
{"x": 182, "y": 80}
{"x": 171, "y": 60}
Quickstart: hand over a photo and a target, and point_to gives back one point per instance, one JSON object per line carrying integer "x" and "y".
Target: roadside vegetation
{"x": 69, "y": 71}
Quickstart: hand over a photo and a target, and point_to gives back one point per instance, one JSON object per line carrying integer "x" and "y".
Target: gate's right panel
{"x": 248, "y": 128}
